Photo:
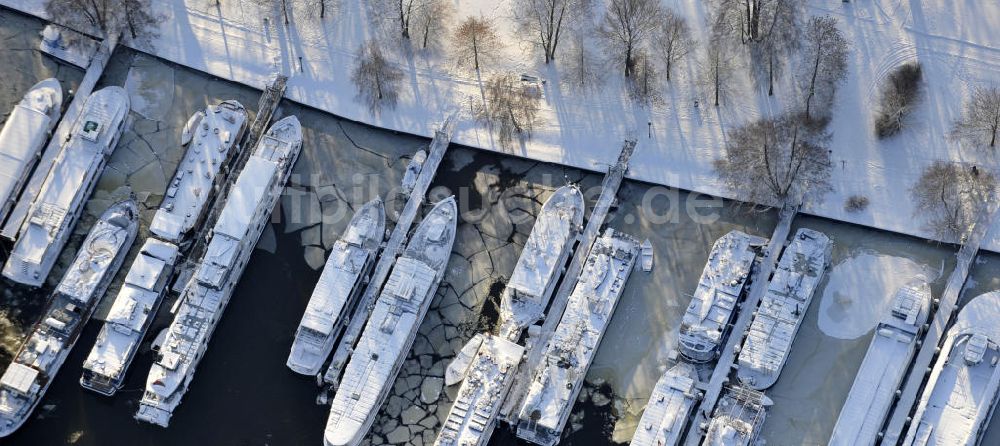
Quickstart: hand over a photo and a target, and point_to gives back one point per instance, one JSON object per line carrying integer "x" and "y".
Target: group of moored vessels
{"x": 211, "y": 139}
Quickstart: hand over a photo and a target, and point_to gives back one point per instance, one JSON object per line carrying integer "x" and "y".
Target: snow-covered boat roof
{"x": 782, "y": 308}
{"x": 889, "y": 354}
{"x": 67, "y": 186}
{"x": 343, "y": 266}
{"x": 714, "y": 300}
{"x": 213, "y": 134}
{"x": 669, "y": 406}
{"x": 113, "y": 232}
{"x": 19, "y": 377}
{"x": 471, "y": 418}
{"x": 560, "y": 218}
{"x": 23, "y": 137}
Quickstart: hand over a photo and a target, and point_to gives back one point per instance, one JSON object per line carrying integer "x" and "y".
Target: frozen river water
{"x": 243, "y": 394}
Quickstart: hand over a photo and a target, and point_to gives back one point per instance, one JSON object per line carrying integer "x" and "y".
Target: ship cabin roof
{"x": 145, "y": 272}
{"x": 19, "y": 378}
{"x": 245, "y": 196}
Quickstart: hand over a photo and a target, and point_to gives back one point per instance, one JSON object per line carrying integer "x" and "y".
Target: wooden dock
{"x": 946, "y": 306}
{"x": 393, "y": 248}
{"x": 727, "y": 359}
{"x": 609, "y": 190}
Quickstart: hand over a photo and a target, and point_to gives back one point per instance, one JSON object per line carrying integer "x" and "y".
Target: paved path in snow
{"x": 727, "y": 359}
{"x": 948, "y": 301}
{"x": 393, "y": 248}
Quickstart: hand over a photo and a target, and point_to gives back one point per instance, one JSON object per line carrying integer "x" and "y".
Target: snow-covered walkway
{"x": 955, "y": 41}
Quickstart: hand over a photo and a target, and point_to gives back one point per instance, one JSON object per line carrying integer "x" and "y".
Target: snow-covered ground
{"x": 956, "y": 42}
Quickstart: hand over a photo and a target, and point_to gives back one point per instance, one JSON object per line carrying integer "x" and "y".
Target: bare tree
{"x": 718, "y": 68}
{"x": 376, "y": 79}
{"x": 673, "y": 40}
{"x": 981, "y": 121}
{"x": 825, "y": 62}
{"x": 951, "y": 196}
{"x": 776, "y": 36}
{"x": 281, "y": 5}
{"x": 581, "y": 64}
{"x": 643, "y": 86}
{"x": 774, "y": 161}
{"x": 900, "y": 93}
{"x": 430, "y": 22}
{"x": 627, "y": 27}
{"x": 474, "y": 39}
{"x": 545, "y": 21}
{"x": 108, "y": 17}
{"x": 404, "y": 17}
{"x": 510, "y": 107}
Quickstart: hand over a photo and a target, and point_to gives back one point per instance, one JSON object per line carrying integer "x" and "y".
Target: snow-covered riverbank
{"x": 677, "y": 141}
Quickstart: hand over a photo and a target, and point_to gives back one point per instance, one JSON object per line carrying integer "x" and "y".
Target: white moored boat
{"x": 336, "y": 293}
{"x": 961, "y": 392}
{"x": 669, "y": 407}
{"x": 392, "y": 327}
{"x": 211, "y": 138}
{"x": 738, "y": 418}
{"x": 23, "y": 137}
{"x": 882, "y": 371}
{"x": 206, "y": 295}
{"x": 67, "y": 186}
{"x": 782, "y": 308}
{"x": 541, "y": 262}
{"x": 131, "y": 314}
{"x": 723, "y": 283}
{"x": 569, "y": 353}
{"x": 49, "y": 342}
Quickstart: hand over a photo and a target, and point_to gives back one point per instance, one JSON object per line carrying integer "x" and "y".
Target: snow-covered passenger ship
{"x": 131, "y": 314}
{"x": 669, "y": 407}
{"x": 49, "y": 342}
{"x": 723, "y": 282}
{"x": 340, "y": 284}
{"x": 542, "y": 261}
{"x": 211, "y": 138}
{"x": 782, "y": 308}
{"x": 392, "y": 327}
{"x": 23, "y": 137}
{"x": 884, "y": 367}
{"x": 961, "y": 392}
{"x": 206, "y": 295}
{"x": 74, "y": 173}
{"x": 569, "y": 353}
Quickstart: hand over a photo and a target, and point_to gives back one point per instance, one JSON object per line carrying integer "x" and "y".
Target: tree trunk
{"x": 770, "y": 74}
{"x": 812, "y": 83}
{"x": 475, "y": 52}
{"x": 717, "y": 77}
{"x": 628, "y": 61}
{"x": 284, "y": 10}
{"x": 322, "y": 9}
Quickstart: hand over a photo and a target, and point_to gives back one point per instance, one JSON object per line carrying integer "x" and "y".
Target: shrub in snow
{"x": 900, "y": 92}
{"x": 856, "y": 203}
